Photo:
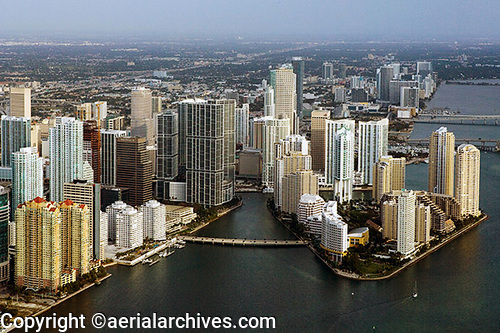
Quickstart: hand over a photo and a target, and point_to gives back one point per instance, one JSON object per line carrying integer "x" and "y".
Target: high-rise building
{"x": 89, "y": 194}
{"x": 467, "y": 177}
{"x": 156, "y": 105}
{"x": 406, "y": 222}
{"x": 209, "y": 129}
{"x": 284, "y": 83}
{"x": 342, "y": 71}
{"x": 327, "y": 71}
{"x": 424, "y": 68}
{"x": 309, "y": 205}
{"x": 396, "y": 88}
{"x": 318, "y": 139}
{"x": 91, "y": 139}
{"x": 129, "y": 233}
{"x": 409, "y": 97}
{"x": 269, "y": 106}
{"x": 340, "y": 94}
{"x": 154, "y": 220}
{"x": 75, "y": 241}
{"x": 441, "y": 161}
{"x": 66, "y": 154}
{"x": 103, "y": 235}
{"x": 38, "y": 260}
{"x": 141, "y": 115}
{"x": 388, "y": 175}
{"x": 384, "y": 77}
{"x": 112, "y": 211}
{"x": 108, "y": 155}
{"x": 274, "y": 131}
{"x": 339, "y": 159}
{"x": 16, "y": 134}
{"x": 4, "y": 236}
{"x": 242, "y": 123}
{"x": 134, "y": 169}
{"x": 167, "y": 153}
{"x": 372, "y": 144}
{"x": 298, "y": 69}
{"x": 295, "y": 185}
{"x": 258, "y": 131}
{"x": 84, "y": 112}
{"x": 356, "y": 82}
{"x": 333, "y": 232}
{"x": 20, "y": 102}
{"x": 27, "y": 176}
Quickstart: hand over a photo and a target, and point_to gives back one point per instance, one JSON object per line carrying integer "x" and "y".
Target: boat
{"x": 147, "y": 261}
{"x": 415, "y": 293}
{"x": 154, "y": 262}
{"x": 166, "y": 254}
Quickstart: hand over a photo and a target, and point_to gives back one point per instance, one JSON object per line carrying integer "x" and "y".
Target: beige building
{"x": 295, "y": 185}
{"x": 467, "y": 172}
{"x": 258, "y": 132}
{"x": 441, "y": 161}
{"x": 318, "y": 139}
{"x": 75, "y": 241}
{"x": 309, "y": 205}
{"x": 388, "y": 175}
{"x": 184, "y": 214}
{"x": 84, "y": 111}
{"x": 141, "y": 115}
{"x": 285, "y": 95}
{"x": 250, "y": 163}
{"x": 20, "y": 102}
{"x": 38, "y": 259}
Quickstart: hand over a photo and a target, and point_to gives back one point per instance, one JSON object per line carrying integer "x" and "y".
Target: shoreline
{"x": 219, "y": 215}
{"x": 354, "y": 276}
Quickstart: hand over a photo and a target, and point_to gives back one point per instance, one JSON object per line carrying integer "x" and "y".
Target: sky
{"x": 314, "y": 19}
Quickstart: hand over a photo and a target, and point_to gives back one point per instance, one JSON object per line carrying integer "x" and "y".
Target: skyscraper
{"x": 274, "y": 131}
{"x": 285, "y": 95}
{"x": 467, "y": 176}
{"x": 242, "y": 123}
{"x": 156, "y": 105}
{"x": 210, "y": 151}
{"x": 112, "y": 211}
{"x": 66, "y": 154}
{"x": 167, "y": 153}
{"x": 441, "y": 161}
{"x": 388, "y": 175}
{"x": 38, "y": 245}
{"x": 89, "y": 194}
{"x": 141, "y": 115}
{"x": 4, "y": 235}
{"x": 327, "y": 71}
{"x": 16, "y": 134}
{"x": 269, "y": 106}
{"x": 384, "y": 77}
{"x": 372, "y": 144}
{"x": 333, "y": 232}
{"x": 406, "y": 222}
{"x": 409, "y": 97}
{"x": 134, "y": 169}
{"x": 318, "y": 138}
{"x": 154, "y": 220}
{"x": 396, "y": 88}
{"x": 296, "y": 184}
{"x": 339, "y": 166}
{"x": 129, "y": 232}
{"x": 424, "y": 68}
{"x": 91, "y": 138}
{"x": 27, "y": 176}
{"x": 20, "y": 102}
{"x": 108, "y": 155}
{"x": 298, "y": 69}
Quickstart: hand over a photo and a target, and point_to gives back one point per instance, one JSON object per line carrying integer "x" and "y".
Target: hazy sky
{"x": 321, "y": 19}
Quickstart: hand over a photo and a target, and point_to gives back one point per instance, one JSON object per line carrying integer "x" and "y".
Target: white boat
{"x": 147, "y": 261}
{"x": 415, "y": 293}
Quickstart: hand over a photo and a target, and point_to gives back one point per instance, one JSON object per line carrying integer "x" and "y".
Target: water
{"x": 457, "y": 285}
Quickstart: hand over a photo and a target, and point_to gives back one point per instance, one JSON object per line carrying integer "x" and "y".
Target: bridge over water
{"x": 481, "y": 144}
{"x": 459, "y": 119}
{"x": 242, "y": 242}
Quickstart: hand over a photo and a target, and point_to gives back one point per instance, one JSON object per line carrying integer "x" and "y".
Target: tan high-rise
{"x": 318, "y": 139}
{"x": 441, "y": 161}
{"x": 295, "y": 185}
{"x": 20, "y": 102}
{"x": 75, "y": 242}
{"x": 388, "y": 175}
{"x": 285, "y": 96}
{"x": 467, "y": 172}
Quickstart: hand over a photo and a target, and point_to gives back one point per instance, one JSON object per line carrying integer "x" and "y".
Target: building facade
{"x": 441, "y": 161}
{"x": 467, "y": 179}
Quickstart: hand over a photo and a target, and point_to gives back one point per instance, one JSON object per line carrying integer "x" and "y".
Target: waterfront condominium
{"x": 210, "y": 150}
{"x": 309, "y": 205}
{"x": 75, "y": 240}
{"x": 388, "y": 175}
{"x": 20, "y": 102}
{"x": 296, "y": 184}
{"x": 333, "y": 232}
{"x": 154, "y": 220}
{"x": 284, "y": 83}
{"x": 89, "y": 194}
{"x": 141, "y": 115}
{"x": 274, "y": 130}
{"x": 406, "y": 222}
{"x": 108, "y": 155}
{"x": 467, "y": 174}
{"x": 4, "y": 236}
{"x": 27, "y": 176}
{"x": 38, "y": 245}
{"x": 134, "y": 169}
{"x": 339, "y": 166}
{"x": 112, "y": 211}
{"x": 66, "y": 154}
{"x": 372, "y": 144}
{"x": 129, "y": 223}
{"x": 441, "y": 161}
{"x": 318, "y": 138}
{"x": 167, "y": 153}
{"x": 242, "y": 123}
{"x": 16, "y": 134}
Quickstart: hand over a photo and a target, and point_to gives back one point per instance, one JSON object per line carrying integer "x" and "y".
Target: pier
{"x": 459, "y": 119}
{"x": 242, "y": 242}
